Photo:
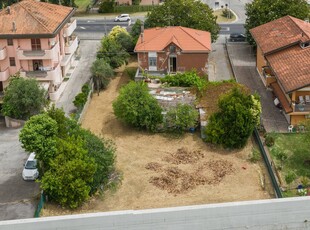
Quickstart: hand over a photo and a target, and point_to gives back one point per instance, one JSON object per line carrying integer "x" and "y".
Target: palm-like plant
{"x": 102, "y": 73}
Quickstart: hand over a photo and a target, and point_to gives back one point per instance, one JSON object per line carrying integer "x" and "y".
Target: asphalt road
{"x": 95, "y": 29}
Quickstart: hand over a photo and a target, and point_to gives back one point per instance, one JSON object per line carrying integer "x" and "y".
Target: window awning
{"x": 281, "y": 97}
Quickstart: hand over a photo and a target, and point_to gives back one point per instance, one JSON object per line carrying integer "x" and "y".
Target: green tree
{"x": 102, "y": 74}
{"x": 62, "y": 121}
{"x": 188, "y": 13}
{"x": 136, "y": 30}
{"x": 23, "y": 98}
{"x": 136, "y": 107}
{"x": 181, "y": 118}
{"x": 106, "y": 6}
{"x": 39, "y": 135}
{"x": 112, "y": 52}
{"x": 235, "y": 122}
{"x": 67, "y": 181}
{"x": 103, "y": 152}
{"x": 121, "y": 36}
{"x": 259, "y": 12}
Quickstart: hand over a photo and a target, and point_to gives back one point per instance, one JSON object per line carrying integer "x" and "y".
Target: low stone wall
{"x": 13, "y": 123}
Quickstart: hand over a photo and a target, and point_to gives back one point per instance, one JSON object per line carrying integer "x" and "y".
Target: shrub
{"x": 131, "y": 72}
{"x": 269, "y": 140}
{"x": 181, "y": 118}
{"x": 187, "y": 79}
{"x": 234, "y": 123}
{"x": 136, "y": 107}
{"x": 81, "y": 98}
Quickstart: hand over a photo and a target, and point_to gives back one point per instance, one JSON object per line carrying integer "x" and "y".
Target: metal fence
{"x": 268, "y": 165}
{"x": 40, "y": 205}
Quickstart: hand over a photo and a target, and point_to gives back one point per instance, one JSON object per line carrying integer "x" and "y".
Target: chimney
{"x": 8, "y": 10}
{"x": 142, "y": 33}
{"x": 13, "y": 26}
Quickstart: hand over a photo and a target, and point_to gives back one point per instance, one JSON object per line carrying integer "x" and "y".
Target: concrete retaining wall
{"x": 13, "y": 123}
{"x": 286, "y": 213}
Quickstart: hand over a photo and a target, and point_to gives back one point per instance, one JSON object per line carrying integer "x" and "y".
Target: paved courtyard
{"x": 243, "y": 63}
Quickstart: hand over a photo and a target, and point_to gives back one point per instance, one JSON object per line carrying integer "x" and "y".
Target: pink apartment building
{"x": 36, "y": 39}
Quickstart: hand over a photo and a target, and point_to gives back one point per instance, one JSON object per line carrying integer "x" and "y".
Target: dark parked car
{"x": 237, "y": 38}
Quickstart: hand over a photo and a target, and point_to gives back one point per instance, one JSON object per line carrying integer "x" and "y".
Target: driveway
{"x": 244, "y": 66}
{"x": 18, "y": 198}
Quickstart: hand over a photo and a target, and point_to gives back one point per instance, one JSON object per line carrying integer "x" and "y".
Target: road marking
{"x": 90, "y": 21}
{"x": 83, "y": 28}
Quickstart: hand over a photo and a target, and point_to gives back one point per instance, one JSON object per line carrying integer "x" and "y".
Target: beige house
{"x": 173, "y": 49}
{"x": 36, "y": 40}
{"x": 283, "y": 62}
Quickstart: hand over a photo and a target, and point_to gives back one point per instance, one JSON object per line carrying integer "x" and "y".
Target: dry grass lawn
{"x": 161, "y": 171}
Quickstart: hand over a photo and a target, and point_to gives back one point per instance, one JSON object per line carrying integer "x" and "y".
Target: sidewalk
{"x": 80, "y": 75}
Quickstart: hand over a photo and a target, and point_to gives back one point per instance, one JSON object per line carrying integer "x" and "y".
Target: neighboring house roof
{"x": 292, "y": 67}
{"x": 31, "y": 17}
{"x": 280, "y": 40}
{"x": 280, "y": 33}
{"x": 187, "y": 39}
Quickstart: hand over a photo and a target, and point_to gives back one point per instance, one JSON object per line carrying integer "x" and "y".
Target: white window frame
{"x": 152, "y": 61}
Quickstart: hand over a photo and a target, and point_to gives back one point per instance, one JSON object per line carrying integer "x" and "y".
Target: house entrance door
{"x": 37, "y": 64}
{"x": 1, "y": 86}
{"x": 173, "y": 64}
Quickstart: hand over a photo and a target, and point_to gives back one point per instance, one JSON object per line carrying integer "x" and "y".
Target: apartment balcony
{"x": 3, "y": 53}
{"x": 268, "y": 75}
{"x": 71, "y": 46}
{"x": 44, "y": 74}
{"x": 4, "y": 75}
{"x": 69, "y": 28}
{"x": 38, "y": 54}
{"x": 301, "y": 107}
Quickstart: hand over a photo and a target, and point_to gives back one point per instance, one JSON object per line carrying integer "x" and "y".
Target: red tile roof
{"x": 189, "y": 40}
{"x": 281, "y": 96}
{"x": 280, "y": 33}
{"x": 292, "y": 67}
{"x": 33, "y": 17}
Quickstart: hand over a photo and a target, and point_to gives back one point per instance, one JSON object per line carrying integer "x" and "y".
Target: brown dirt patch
{"x": 210, "y": 175}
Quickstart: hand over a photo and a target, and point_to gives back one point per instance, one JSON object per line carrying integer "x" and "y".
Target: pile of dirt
{"x": 154, "y": 166}
{"x": 184, "y": 156}
{"x": 177, "y": 181}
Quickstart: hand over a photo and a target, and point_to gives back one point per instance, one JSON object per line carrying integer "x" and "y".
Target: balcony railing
{"x": 302, "y": 107}
{"x": 69, "y": 28}
{"x": 3, "y": 53}
{"x": 44, "y": 74}
{"x": 71, "y": 46}
{"x": 37, "y": 54}
{"x": 4, "y": 75}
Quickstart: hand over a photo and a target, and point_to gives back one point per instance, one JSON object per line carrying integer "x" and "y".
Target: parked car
{"x": 236, "y": 37}
{"x": 122, "y": 18}
{"x": 30, "y": 171}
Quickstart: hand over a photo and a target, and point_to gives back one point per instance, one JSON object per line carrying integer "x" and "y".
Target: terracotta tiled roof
{"x": 190, "y": 40}
{"x": 280, "y": 33}
{"x": 33, "y": 17}
{"x": 281, "y": 96}
{"x": 292, "y": 67}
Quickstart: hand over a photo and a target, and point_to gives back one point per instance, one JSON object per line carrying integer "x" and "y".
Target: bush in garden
{"x": 181, "y": 118}
{"x": 136, "y": 107}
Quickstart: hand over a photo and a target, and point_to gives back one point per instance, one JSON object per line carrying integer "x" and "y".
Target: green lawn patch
{"x": 82, "y": 5}
{"x": 221, "y": 18}
{"x": 291, "y": 154}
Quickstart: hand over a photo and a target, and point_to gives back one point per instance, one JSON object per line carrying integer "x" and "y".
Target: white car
{"x": 122, "y": 18}
{"x": 30, "y": 171}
